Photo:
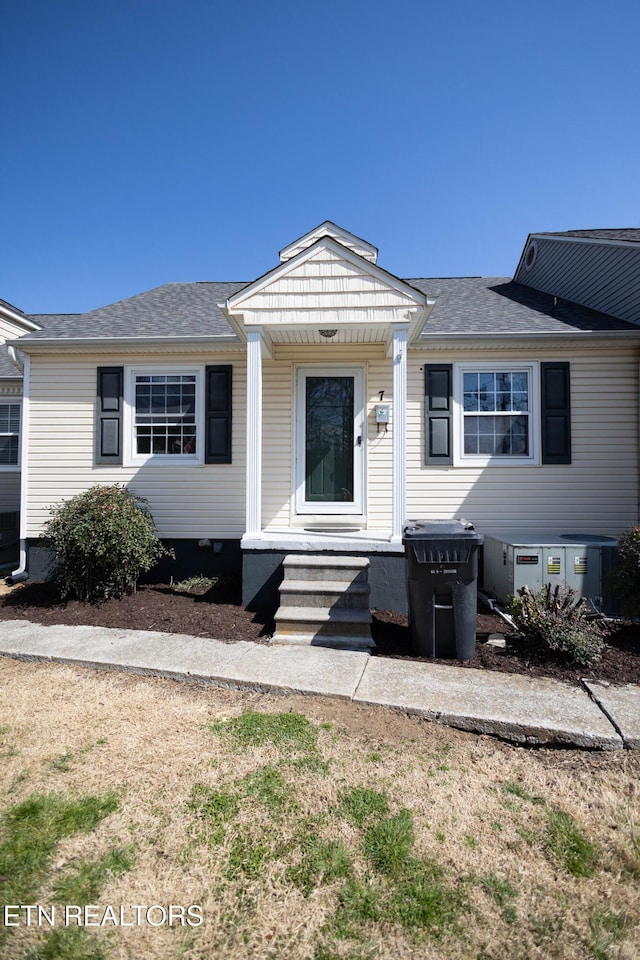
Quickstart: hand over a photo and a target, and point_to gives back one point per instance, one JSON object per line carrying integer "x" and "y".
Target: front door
{"x": 330, "y": 440}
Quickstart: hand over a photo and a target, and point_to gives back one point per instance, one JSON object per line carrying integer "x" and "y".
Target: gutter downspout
{"x": 15, "y": 359}
{"x": 21, "y": 573}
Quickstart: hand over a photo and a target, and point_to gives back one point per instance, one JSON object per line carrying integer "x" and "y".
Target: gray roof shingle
{"x": 172, "y": 310}
{"x": 470, "y": 305}
{"x": 484, "y": 305}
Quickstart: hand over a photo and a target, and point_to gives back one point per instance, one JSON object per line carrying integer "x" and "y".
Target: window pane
{"x": 495, "y": 392}
{"x": 470, "y": 386}
{"x": 165, "y": 414}
{"x": 9, "y": 418}
{"x": 8, "y": 451}
{"x": 496, "y": 436}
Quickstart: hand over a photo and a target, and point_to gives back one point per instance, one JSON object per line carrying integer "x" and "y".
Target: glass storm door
{"x": 329, "y": 440}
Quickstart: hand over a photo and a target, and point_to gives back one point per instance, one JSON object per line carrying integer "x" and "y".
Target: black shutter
{"x": 109, "y": 415}
{"x": 438, "y": 410}
{"x": 555, "y": 412}
{"x": 218, "y": 414}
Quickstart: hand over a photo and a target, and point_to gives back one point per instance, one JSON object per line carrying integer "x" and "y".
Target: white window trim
{"x": 462, "y": 459}
{"x": 133, "y": 459}
{"x": 13, "y": 467}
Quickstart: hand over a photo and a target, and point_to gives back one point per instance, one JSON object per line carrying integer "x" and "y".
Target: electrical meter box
{"x": 576, "y": 560}
{"x": 382, "y": 413}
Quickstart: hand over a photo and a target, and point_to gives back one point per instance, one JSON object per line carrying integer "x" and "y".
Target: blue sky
{"x": 148, "y": 141}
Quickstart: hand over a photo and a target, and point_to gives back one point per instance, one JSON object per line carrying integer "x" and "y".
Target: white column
{"x": 254, "y": 432}
{"x": 399, "y": 431}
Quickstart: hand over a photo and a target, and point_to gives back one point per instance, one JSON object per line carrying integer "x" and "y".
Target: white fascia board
{"x": 61, "y": 343}
{"x": 502, "y": 341}
{"x": 422, "y": 319}
{"x": 234, "y": 302}
{"x": 235, "y": 321}
{"x": 331, "y": 229}
{"x": 20, "y": 318}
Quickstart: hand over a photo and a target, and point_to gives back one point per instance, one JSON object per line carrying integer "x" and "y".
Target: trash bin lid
{"x": 440, "y": 530}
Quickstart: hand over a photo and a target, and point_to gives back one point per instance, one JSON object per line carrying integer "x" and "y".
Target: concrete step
{"x": 337, "y": 641}
{"x": 329, "y": 620}
{"x": 322, "y": 567}
{"x": 324, "y": 601}
{"x": 331, "y": 594}
{"x": 346, "y": 628}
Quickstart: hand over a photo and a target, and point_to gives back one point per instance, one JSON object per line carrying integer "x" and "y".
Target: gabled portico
{"x": 320, "y": 313}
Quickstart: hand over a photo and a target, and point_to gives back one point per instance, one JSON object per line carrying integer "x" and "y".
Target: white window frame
{"x": 13, "y": 402}
{"x": 131, "y": 457}
{"x": 462, "y": 459}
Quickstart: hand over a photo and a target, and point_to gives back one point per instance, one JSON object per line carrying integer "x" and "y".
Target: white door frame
{"x": 302, "y": 506}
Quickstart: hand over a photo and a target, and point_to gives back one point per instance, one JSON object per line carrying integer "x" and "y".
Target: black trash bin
{"x": 442, "y": 587}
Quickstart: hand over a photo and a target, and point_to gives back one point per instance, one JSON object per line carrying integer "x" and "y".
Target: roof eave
{"x": 33, "y": 346}
{"x": 15, "y": 316}
{"x": 428, "y": 338}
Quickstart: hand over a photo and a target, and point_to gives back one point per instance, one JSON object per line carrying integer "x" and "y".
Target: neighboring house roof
{"x": 172, "y": 310}
{"x": 629, "y": 234}
{"x": 16, "y": 317}
{"x": 485, "y": 305}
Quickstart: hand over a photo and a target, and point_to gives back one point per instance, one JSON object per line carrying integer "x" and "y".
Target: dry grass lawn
{"x": 304, "y": 828}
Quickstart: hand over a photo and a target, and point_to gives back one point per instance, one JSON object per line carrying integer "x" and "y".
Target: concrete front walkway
{"x": 517, "y": 708}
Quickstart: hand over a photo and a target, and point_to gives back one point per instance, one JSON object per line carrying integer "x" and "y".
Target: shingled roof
{"x": 464, "y": 305}
{"x": 172, "y": 310}
{"x": 485, "y": 305}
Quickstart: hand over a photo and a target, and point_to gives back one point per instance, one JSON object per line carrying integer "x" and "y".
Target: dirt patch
{"x": 217, "y": 612}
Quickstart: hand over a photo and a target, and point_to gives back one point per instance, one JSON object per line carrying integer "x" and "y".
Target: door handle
{"x": 359, "y": 441}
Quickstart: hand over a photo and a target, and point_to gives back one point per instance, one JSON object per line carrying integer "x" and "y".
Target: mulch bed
{"x": 217, "y": 613}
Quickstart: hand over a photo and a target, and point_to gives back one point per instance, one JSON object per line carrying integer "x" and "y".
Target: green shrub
{"x": 101, "y": 540}
{"x": 554, "y": 622}
{"x": 625, "y": 579}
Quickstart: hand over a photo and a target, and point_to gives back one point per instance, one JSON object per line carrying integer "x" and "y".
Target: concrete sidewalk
{"x": 517, "y": 708}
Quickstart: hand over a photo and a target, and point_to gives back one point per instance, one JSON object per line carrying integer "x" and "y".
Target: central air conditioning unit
{"x": 581, "y": 561}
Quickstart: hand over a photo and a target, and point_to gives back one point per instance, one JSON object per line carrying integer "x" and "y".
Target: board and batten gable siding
{"x": 597, "y": 492}
{"x": 603, "y": 276}
{"x": 186, "y": 501}
{"x": 278, "y": 426}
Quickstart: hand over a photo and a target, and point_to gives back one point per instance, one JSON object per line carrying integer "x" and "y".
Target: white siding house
{"x": 321, "y": 405}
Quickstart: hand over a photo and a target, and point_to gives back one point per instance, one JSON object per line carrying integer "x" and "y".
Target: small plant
{"x": 101, "y": 540}
{"x": 625, "y": 579}
{"x": 569, "y": 845}
{"x": 553, "y": 621}
{"x": 361, "y": 805}
{"x": 198, "y": 583}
